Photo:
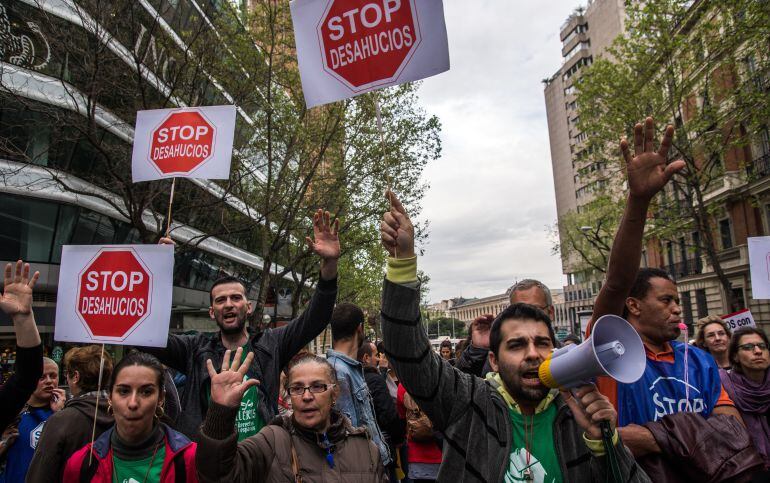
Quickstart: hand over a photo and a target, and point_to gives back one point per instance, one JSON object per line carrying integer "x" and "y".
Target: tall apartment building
{"x": 738, "y": 200}
{"x": 586, "y": 34}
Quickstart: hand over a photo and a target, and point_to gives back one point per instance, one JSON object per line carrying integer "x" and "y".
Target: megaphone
{"x": 614, "y": 349}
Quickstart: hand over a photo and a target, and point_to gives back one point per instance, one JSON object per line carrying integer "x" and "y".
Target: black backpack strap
{"x": 88, "y": 471}
{"x": 180, "y": 471}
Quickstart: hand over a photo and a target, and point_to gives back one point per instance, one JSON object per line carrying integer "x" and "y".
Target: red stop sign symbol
{"x": 182, "y": 142}
{"x": 114, "y": 292}
{"x": 368, "y": 42}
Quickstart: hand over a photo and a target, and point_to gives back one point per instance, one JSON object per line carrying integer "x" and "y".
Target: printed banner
{"x": 192, "y": 142}
{"x": 115, "y": 294}
{"x": 348, "y": 47}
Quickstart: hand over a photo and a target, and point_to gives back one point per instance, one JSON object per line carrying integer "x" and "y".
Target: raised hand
{"x": 228, "y": 386}
{"x": 326, "y": 242}
{"x": 16, "y": 299}
{"x": 647, "y": 170}
{"x": 396, "y": 230}
{"x": 590, "y": 407}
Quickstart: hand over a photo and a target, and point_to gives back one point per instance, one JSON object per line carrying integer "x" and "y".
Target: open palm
{"x": 647, "y": 170}
{"x": 228, "y": 386}
{"x": 325, "y": 242}
{"x": 16, "y": 298}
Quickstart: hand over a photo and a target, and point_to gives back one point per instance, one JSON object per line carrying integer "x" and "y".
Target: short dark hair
{"x": 380, "y": 347}
{"x": 365, "y": 350}
{"x": 642, "y": 283}
{"x": 346, "y": 319}
{"x": 571, "y": 338}
{"x": 517, "y": 311}
{"x": 224, "y": 280}
{"x": 445, "y": 343}
{"x": 735, "y": 341}
{"x": 142, "y": 359}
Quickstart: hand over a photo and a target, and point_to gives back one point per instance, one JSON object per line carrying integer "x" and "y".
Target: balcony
{"x": 685, "y": 268}
{"x": 759, "y": 168}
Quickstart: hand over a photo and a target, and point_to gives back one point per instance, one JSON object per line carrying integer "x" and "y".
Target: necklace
{"x": 149, "y": 467}
{"x": 527, "y": 474}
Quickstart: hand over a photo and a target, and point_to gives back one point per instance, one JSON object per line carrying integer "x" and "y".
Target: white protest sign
{"x": 191, "y": 142}
{"x": 115, "y": 294}
{"x": 348, "y": 47}
{"x": 739, "y": 319}
{"x": 759, "y": 265}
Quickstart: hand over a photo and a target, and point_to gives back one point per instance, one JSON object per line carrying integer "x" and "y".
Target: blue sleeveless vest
{"x": 661, "y": 390}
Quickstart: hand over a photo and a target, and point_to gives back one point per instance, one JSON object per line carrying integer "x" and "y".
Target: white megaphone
{"x": 614, "y": 349}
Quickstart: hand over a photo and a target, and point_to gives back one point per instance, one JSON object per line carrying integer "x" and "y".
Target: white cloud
{"x": 491, "y": 193}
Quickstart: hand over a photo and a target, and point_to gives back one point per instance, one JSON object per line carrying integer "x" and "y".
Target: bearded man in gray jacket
{"x": 508, "y": 427}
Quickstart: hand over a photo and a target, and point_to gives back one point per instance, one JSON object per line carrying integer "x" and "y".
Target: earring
{"x": 109, "y": 408}
{"x": 159, "y": 412}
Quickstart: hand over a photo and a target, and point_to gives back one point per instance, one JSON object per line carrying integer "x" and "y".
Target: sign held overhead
{"x": 348, "y": 47}
{"x": 195, "y": 142}
{"x": 115, "y": 294}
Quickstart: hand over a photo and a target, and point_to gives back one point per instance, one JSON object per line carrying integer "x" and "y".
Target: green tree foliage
{"x": 701, "y": 66}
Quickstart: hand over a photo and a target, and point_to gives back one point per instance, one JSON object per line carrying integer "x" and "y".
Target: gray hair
{"x": 49, "y": 361}
{"x": 527, "y": 284}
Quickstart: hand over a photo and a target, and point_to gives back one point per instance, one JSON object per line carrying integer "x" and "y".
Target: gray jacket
{"x": 470, "y": 413}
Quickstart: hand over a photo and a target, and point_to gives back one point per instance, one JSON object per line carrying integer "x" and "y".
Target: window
{"x": 739, "y": 301}
{"x": 26, "y": 229}
{"x": 725, "y": 233}
{"x": 687, "y": 307}
{"x": 700, "y": 301}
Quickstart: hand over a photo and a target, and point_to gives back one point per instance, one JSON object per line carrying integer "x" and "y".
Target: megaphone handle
{"x": 612, "y": 461}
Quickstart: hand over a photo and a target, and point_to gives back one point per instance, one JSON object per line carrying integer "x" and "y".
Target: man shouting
{"x": 509, "y": 427}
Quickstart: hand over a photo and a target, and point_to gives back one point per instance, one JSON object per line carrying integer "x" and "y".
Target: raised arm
{"x": 647, "y": 173}
{"x": 16, "y": 302}
{"x": 440, "y": 390}
{"x": 312, "y": 321}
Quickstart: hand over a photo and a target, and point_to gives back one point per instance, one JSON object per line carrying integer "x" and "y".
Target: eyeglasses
{"x": 315, "y": 388}
{"x": 750, "y": 346}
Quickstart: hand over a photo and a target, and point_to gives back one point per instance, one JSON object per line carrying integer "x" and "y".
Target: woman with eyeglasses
{"x": 139, "y": 447}
{"x": 313, "y": 443}
{"x": 748, "y": 384}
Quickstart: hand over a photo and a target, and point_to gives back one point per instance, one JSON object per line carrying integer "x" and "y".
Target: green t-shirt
{"x": 135, "y": 471}
{"x": 248, "y": 421}
{"x": 543, "y": 463}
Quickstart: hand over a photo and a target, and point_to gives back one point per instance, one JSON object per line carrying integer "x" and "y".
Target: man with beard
{"x": 355, "y": 400}
{"x": 272, "y": 348}
{"x": 509, "y": 427}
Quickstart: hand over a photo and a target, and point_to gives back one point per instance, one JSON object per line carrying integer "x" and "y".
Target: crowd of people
{"x": 257, "y": 406}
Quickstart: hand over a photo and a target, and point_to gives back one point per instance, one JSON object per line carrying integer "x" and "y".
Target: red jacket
{"x": 180, "y": 456}
{"x": 417, "y": 452}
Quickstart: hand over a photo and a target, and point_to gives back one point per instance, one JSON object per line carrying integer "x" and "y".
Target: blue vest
{"x": 661, "y": 390}
{"x": 20, "y": 454}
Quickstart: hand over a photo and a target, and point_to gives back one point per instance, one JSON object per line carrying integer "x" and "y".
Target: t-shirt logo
{"x": 129, "y": 480}
{"x": 518, "y": 465}
{"x": 665, "y": 393}
{"x": 34, "y": 435}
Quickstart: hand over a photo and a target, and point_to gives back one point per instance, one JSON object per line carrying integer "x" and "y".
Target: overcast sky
{"x": 491, "y": 194}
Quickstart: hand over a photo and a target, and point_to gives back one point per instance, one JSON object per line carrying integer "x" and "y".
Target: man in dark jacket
{"x": 272, "y": 348}
{"x": 16, "y": 303}
{"x": 392, "y": 426}
{"x": 508, "y": 427}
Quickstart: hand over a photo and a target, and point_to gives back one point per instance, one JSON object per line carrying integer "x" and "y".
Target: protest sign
{"x": 116, "y": 294}
{"x": 739, "y": 319}
{"x": 759, "y": 265}
{"x": 348, "y": 47}
{"x": 194, "y": 142}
